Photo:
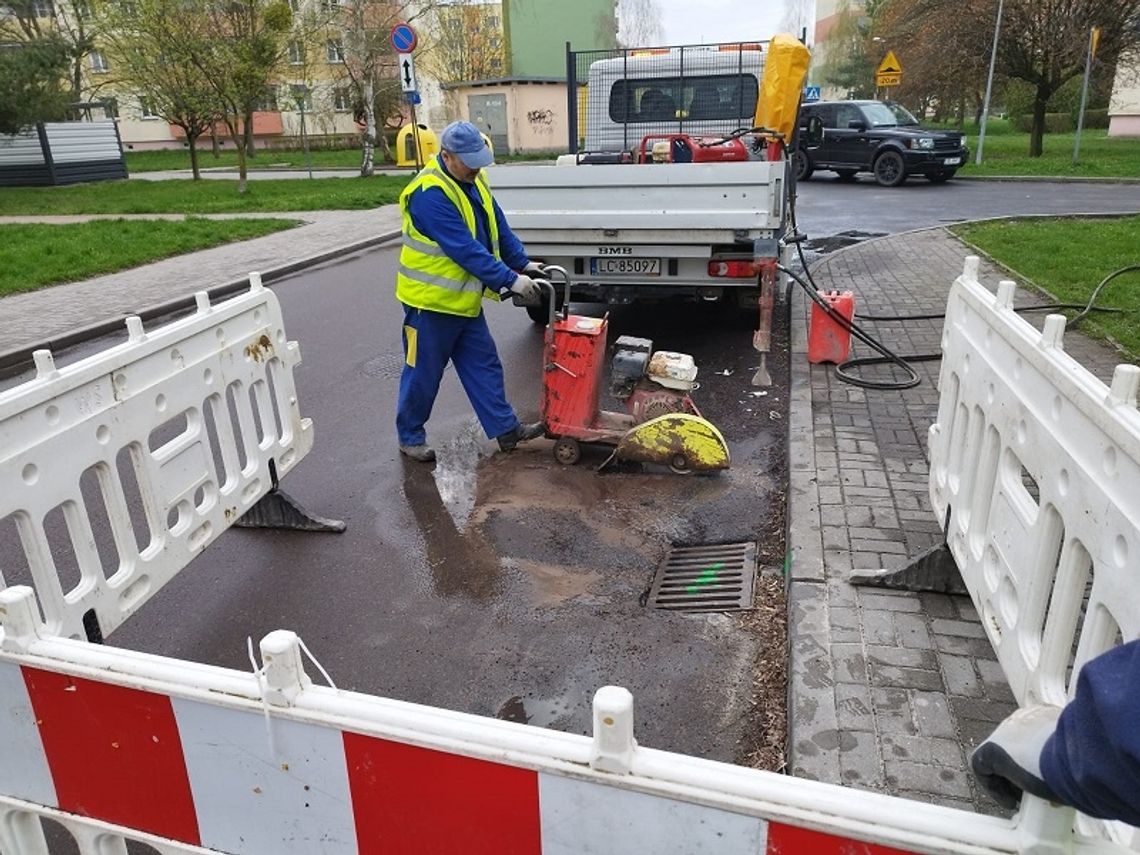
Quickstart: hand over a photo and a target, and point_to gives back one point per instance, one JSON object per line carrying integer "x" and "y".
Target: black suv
{"x": 877, "y": 137}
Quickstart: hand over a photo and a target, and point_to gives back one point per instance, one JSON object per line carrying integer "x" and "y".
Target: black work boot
{"x": 422, "y": 453}
{"x": 520, "y": 433}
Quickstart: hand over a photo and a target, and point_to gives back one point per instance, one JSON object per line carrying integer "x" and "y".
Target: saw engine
{"x": 651, "y": 384}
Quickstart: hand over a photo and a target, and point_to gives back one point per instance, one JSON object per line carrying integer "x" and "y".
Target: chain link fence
{"x": 617, "y": 98}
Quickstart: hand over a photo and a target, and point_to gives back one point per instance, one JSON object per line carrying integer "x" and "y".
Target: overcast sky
{"x": 697, "y": 21}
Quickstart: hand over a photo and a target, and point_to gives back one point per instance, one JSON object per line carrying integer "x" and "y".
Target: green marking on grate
{"x": 710, "y": 578}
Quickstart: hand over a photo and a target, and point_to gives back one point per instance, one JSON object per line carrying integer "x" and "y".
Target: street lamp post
{"x": 989, "y": 88}
{"x": 300, "y": 93}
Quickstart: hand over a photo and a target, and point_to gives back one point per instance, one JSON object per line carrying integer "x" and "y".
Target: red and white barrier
{"x": 201, "y": 408}
{"x": 206, "y": 758}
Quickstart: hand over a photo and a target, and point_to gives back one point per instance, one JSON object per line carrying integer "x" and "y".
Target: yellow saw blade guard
{"x": 683, "y": 442}
{"x": 785, "y": 72}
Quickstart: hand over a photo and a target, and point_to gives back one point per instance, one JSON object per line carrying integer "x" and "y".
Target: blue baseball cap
{"x": 464, "y": 141}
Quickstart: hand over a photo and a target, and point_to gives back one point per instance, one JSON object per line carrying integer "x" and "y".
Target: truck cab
{"x": 703, "y": 92}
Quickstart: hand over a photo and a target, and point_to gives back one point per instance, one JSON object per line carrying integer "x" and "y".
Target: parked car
{"x": 848, "y": 137}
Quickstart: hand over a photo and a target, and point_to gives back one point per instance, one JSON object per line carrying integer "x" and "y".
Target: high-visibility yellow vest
{"x": 427, "y": 278}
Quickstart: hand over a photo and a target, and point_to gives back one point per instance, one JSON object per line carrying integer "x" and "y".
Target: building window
{"x": 296, "y": 53}
{"x": 334, "y": 50}
{"x": 342, "y": 99}
{"x": 146, "y": 106}
{"x": 295, "y": 5}
{"x": 111, "y": 108}
{"x": 98, "y": 61}
{"x": 493, "y": 21}
{"x": 496, "y": 64}
{"x": 268, "y": 101}
{"x": 330, "y": 5}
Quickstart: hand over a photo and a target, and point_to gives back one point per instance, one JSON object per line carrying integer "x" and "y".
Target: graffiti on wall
{"x": 541, "y": 121}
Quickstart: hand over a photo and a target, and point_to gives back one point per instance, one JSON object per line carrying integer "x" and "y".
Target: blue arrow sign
{"x": 403, "y": 38}
{"x": 811, "y": 93}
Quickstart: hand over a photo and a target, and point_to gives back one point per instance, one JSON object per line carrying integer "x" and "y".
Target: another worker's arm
{"x": 435, "y": 216}
{"x": 1092, "y": 760}
{"x": 1086, "y": 755}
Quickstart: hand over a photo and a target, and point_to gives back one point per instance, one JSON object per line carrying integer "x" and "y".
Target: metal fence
{"x": 616, "y": 98}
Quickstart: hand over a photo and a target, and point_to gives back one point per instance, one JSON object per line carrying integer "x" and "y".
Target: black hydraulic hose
{"x": 889, "y": 357}
{"x": 1096, "y": 291}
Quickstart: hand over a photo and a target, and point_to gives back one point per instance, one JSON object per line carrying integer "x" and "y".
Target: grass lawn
{"x": 35, "y": 255}
{"x": 1007, "y": 153}
{"x": 155, "y": 161}
{"x": 204, "y": 197}
{"x": 1068, "y": 258}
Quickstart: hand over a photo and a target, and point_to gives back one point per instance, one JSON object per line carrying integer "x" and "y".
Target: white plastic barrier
{"x": 209, "y": 759}
{"x": 178, "y": 427}
{"x": 1036, "y": 463}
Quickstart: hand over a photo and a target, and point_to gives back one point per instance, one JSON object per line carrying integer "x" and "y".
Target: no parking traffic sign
{"x": 403, "y": 38}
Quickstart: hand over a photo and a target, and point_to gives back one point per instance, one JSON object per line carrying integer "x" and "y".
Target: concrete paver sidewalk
{"x": 32, "y": 317}
{"x": 890, "y": 691}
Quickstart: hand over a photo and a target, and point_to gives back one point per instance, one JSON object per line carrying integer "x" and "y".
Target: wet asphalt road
{"x": 494, "y": 584}
{"x": 508, "y": 585}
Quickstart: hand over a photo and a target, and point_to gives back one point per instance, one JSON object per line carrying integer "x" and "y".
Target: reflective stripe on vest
{"x": 427, "y": 278}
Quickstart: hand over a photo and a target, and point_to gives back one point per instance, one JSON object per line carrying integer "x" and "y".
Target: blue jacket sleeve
{"x": 1092, "y": 760}
{"x": 434, "y": 215}
{"x": 510, "y": 247}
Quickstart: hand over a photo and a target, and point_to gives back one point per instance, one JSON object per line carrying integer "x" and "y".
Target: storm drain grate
{"x": 716, "y": 578}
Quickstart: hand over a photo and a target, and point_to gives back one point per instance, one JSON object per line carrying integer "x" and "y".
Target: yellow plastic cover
{"x": 785, "y": 71}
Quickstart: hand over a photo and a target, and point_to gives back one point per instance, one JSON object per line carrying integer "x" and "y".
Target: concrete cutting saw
{"x": 661, "y": 424}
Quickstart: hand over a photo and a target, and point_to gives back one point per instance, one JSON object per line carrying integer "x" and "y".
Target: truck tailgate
{"x": 719, "y": 201}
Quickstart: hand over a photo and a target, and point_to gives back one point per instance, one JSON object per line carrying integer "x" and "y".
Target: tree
{"x": 31, "y": 83}
{"x": 799, "y": 15}
{"x": 69, "y": 22}
{"x": 468, "y": 43}
{"x": 850, "y": 62}
{"x": 639, "y": 23}
{"x": 146, "y": 39}
{"x": 237, "y": 46}
{"x": 370, "y": 67}
{"x": 945, "y": 52}
{"x": 1044, "y": 43}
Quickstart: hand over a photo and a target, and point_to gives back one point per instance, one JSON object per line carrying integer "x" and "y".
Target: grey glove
{"x": 525, "y": 291}
{"x": 1008, "y": 762}
{"x": 534, "y": 270}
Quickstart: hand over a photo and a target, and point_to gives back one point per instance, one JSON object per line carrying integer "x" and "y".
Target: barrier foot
{"x": 933, "y": 570}
{"x": 279, "y": 510}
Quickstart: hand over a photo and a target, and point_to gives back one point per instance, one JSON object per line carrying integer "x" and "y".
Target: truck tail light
{"x": 739, "y": 269}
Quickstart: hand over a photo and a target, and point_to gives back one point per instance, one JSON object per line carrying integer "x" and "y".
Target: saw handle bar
{"x": 551, "y": 291}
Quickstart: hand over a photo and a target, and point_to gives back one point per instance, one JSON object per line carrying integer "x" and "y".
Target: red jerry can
{"x": 828, "y": 340}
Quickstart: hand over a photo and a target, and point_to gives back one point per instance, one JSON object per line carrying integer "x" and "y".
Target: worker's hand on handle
{"x": 525, "y": 291}
{"x": 1008, "y": 762}
{"x": 534, "y": 270}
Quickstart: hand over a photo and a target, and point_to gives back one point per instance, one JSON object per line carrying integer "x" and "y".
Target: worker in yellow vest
{"x": 457, "y": 250}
